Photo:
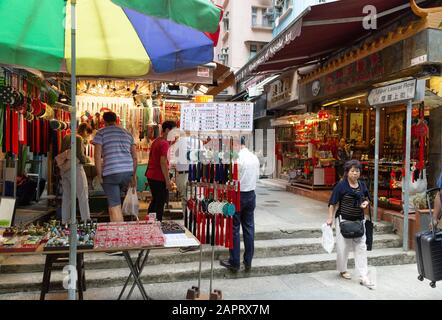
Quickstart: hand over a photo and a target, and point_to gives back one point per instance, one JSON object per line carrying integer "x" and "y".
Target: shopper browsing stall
{"x": 157, "y": 172}
{"x": 183, "y": 152}
{"x": 343, "y": 156}
{"x": 84, "y": 131}
{"x": 248, "y": 174}
{"x": 117, "y": 148}
{"x": 350, "y": 197}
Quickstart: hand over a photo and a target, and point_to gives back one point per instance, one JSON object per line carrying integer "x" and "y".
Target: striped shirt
{"x": 348, "y": 209}
{"x": 349, "y": 199}
{"x": 116, "y": 145}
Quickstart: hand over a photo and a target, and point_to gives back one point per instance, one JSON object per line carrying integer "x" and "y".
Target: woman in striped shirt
{"x": 350, "y": 197}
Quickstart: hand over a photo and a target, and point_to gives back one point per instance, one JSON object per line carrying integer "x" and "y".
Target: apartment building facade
{"x": 288, "y": 10}
{"x": 246, "y": 28}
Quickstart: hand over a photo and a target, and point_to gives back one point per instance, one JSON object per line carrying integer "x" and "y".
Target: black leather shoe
{"x": 247, "y": 267}
{"x": 226, "y": 264}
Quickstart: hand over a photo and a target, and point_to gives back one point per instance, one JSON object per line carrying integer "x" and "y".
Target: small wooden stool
{"x": 53, "y": 262}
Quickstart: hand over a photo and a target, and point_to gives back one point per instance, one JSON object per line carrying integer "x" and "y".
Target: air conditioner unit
{"x": 279, "y": 4}
{"x": 277, "y": 22}
{"x": 222, "y": 57}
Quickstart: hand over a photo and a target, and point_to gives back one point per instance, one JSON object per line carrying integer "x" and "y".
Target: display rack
{"x": 213, "y": 187}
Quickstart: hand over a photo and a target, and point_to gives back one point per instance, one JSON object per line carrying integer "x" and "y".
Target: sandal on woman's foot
{"x": 345, "y": 275}
{"x": 367, "y": 283}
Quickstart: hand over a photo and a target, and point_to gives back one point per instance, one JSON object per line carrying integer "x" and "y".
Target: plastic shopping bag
{"x": 131, "y": 205}
{"x": 328, "y": 241}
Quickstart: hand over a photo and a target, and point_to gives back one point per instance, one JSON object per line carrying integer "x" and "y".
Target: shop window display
{"x": 359, "y": 141}
{"x": 308, "y": 149}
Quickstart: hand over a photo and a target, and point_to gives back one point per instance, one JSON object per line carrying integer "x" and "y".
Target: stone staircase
{"x": 276, "y": 252}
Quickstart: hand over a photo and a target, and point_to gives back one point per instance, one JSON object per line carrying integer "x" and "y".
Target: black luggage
{"x": 429, "y": 251}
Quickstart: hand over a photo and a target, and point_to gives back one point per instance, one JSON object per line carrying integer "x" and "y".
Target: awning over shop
{"x": 320, "y": 30}
{"x": 223, "y": 78}
{"x": 257, "y": 90}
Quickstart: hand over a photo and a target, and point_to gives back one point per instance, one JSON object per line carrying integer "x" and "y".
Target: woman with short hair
{"x": 349, "y": 199}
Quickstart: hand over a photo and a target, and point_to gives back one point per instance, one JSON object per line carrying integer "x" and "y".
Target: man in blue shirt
{"x": 118, "y": 168}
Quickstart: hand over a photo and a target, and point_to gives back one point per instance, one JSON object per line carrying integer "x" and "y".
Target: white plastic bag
{"x": 420, "y": 184}
{"x": 328, "y": 241}
{"x": 131, "y": 205}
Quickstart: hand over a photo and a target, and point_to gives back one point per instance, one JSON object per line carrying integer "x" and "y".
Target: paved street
{"x": 393, "y": 282}
{"x": 279, "y": 210}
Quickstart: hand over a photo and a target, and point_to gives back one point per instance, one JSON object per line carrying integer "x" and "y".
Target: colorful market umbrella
{"x": 167, "y": 35}
{"x": 106, "y": 40}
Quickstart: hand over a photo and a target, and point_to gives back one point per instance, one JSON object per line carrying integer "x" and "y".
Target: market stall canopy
{"x": 198, "y": 14}
{"x": 111, "y": 40}
{"x": 319, "y": 31}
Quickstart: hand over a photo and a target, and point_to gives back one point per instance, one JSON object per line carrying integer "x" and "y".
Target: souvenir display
{"x": 307, "y": 149}
{"x": 24, "y": 238}
{"x": 173, "y": 112}
{"x": 169, "y": 227}
{"x": 123, "y": 235}
{"x": 59, "y": 239}
{"x": 25, "y": 243}
{"x": 213, "y": 197}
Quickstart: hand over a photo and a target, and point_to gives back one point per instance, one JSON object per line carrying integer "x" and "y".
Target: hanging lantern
{"x": 323, "y": 115}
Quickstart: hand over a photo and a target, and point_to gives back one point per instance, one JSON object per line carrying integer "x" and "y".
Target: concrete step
{"x": 284, "y": 233}
{"x": 263, "y": 249}
{"x": 25, "y": 282}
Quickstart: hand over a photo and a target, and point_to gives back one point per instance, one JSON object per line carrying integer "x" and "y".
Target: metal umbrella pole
{"x": 406, "y": 185}
{"x": 211, "y": 269}
{"x": 73, "y": 223}
{"x": 376, "y": 163}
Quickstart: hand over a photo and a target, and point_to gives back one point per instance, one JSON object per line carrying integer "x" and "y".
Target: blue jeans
{"x": 245, "y": 218}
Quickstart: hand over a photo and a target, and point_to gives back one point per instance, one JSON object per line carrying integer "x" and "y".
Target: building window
{"x": 253, "y": 50}
{"x": 266, "y": 17}
{"x": 254, "y": 16}
{"x": 282, "y": 5}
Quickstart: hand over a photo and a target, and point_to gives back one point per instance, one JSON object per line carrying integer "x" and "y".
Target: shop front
{"x": 307, "y": 146}
{"x": 341, "y": 88}
{"x": 282, "y": 102}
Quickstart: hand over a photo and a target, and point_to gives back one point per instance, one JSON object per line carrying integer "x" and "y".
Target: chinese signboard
{"x": 393, "y": 93}
{"x": 210, "y": 117}
{"x": 374, "y": 68}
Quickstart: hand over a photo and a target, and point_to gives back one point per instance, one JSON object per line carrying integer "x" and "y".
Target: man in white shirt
{"x": 248, "y": 164}
{"x": 182, "y": 153}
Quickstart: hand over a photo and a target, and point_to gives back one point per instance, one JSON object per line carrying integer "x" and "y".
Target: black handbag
{"x": 351, "y": 229}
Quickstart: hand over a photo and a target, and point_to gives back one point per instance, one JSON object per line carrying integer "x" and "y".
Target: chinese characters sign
{"x": 393, "y": 93}
{"x": 209, "y": 117}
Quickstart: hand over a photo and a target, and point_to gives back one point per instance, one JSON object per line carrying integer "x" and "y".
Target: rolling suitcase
{"x": 429, "y": 251}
